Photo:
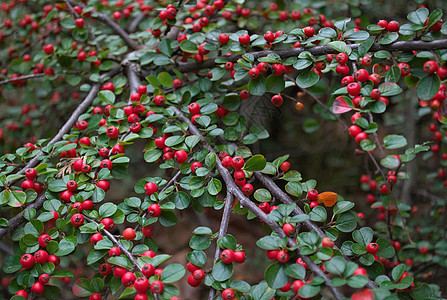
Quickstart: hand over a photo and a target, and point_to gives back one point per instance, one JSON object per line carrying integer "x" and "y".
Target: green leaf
{"x": 434, "y": 17}
{"x": 428, "y": 86}
{"x": 214, "y": 186}
{"x": 295, "y": 271}
{"x": 165, "y": 79}
{"x": 188, "y": 46}
{"x": 393, "y": 74}
{"x": 57, "y": 185}
{"x": 95, "y": 255}
{"x": 255, "y": 163}
{"x": 342, "y": 206}
{"x": 302, "y": 64}
{"x": 275, "y": 276}
{"x": 107, "y": 209}
{"x": 309, "y": 291}
{"x": 268, "y": 243}
{"x": 107, "y": 97}
{"x": 81, "y": 287}
{"x": 175, "y": 140}
{"x": 172, "y": 273}
{"x": 275, "y": 84}
{"x": 419, "y": 16}
{"x": 365, "y": 46}
{"x": 257, "y": 86}
{"x": 152, "y": 155}
{"x": 11, "y": 264}
{"x": 390, "y": 162}
{"x": 340, "y": 47}
{"x": 389, "y": 89}
{"x": 336, "y": 265}
{"x": 385, "y": 248}
{"x": 307, "y": 79}
{"x": 181, "y": 200}
{"x": 262, "y": 291}
{"x": 222, "y": 272}
{"x": 197, "y": 258}
{"x": 262, "y": 195}
{"x": 294, "y": 188}
{"x": 388, "y": 38}
{"x": 394, "y": 141}
{"x": 346, "y": 222}
{"x": 66, "y": 246}
{"x": 398, "y": 271}
{"x": 199, "y": 242}
{"x": 357, "y": 281}
{"x": 363, "y": 236}
{"x": 318, "y": 214}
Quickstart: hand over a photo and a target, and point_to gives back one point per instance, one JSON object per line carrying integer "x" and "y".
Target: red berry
{"x": 277, "y": 100}
{"x": 372, "y": 248}
{"x": 239, "y": 256}
{"x": 27, "y": 261}
{"x": 157, "y": 287}
{"x": 77, "y": 220}
{"x": 180, "y": 156}
{"x": 128, "y": 279}
{"x": 129, "y": 234}
{"x": 244, "y": 39}
{"x": 148, "y": 270}
{"x": 38, "y": 288}
{"x": 288, "y": 229}
{"x": 228, "y": 294}
{"x": 154, "y": 210}
{"x": 227, "y": 256}
{"x": 150, "y": 188}
{"x": 327, "y": 242}
{"x": 108, "y": 223}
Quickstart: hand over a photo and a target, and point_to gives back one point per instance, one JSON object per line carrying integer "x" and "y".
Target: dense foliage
{"x": 95, "y": 93}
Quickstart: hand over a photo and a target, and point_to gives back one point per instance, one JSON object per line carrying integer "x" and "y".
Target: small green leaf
{"x": 307, "y": 79}
{"x": 394, "y": 141}
{"x": 255, "y": 163}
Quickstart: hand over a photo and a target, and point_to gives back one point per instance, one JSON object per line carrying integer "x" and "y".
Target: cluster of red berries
{"x": 197, "y": 275}
{"x": 29, "y": 183}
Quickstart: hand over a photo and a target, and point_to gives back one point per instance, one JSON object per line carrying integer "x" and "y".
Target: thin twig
{"x": 22, "y": 78}
{"x": 114, "y": 26}
{"x": 343, "y": 123}
{"x": 70, "y": 122}
{"x": 118, "y": 244}
{"x": 222, "y": 231}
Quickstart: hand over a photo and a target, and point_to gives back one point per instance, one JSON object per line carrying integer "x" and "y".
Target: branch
{"x": 234, "y": 189}
{"x": 70, "y": 122}
{"x": 283, "y": 197}
{"x": 21, "y": 78}
{"x": 115, "y": 27}
{"x": 19, "y": 219}
{"x": 135, "y": 22}
{"x": 326, "y": 108}
{"x": 318, "y": 50}
{"x": 118, "y": 244}
{"x": 222, "y": 231}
